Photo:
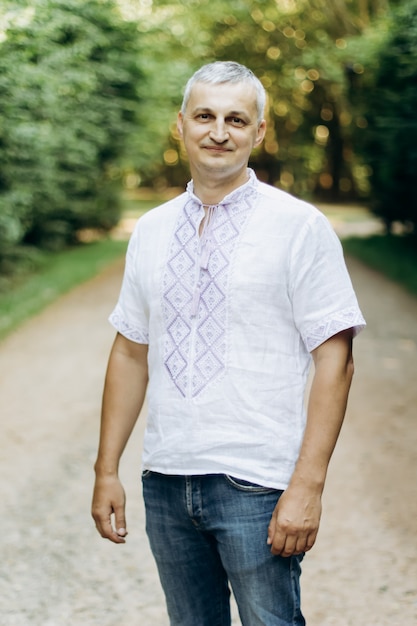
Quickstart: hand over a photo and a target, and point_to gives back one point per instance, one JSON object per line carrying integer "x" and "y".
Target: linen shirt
{"x": 231, "y": 316}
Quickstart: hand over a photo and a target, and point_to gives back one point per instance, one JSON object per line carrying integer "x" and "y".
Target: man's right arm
{"x": 123, "y": 397}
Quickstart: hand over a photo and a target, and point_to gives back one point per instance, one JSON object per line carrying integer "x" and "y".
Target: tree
{"x": 298, "y": 51}
{"x": 70, "y": 85}
{"x": 386, "y": 99}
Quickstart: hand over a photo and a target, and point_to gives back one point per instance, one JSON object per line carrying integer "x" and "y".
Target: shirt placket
{"x": 203, "y": 248}
{"x": 194, "y": 352}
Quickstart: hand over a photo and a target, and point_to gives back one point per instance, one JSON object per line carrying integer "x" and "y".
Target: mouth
{"x": 218, "y": 149}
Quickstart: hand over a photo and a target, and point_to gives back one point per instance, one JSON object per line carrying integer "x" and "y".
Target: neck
{"x": 211, "y": 192}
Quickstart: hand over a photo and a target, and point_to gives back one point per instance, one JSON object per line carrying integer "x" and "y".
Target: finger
{"x": 271, "y": 530}
{"x": 289, "y": 547}
{"x": 120, "y": 521}
{"x": 105, "y": 528}
{"x": 111, "y": 534}
{"x": 311, "y": 540}
{"x": 297, "y": 544}
{"x": 301, "y": 545}
{"x": 276, "y": 538}
{"x": 278, "y": 542}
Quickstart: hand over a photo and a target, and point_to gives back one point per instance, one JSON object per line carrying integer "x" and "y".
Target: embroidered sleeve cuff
{"x": 342, "y": 320}
{"x": 130, "y": 332}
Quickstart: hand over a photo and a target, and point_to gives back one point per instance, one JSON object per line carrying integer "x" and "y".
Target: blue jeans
{"x": 208, "y": 531}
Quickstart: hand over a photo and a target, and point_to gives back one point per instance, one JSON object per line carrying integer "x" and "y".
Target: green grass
{"x": 394, "y": 256}
{"x": 55, "y": 274}
{"x": 52, "y": 274}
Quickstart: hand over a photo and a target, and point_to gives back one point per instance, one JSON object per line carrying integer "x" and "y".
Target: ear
{"x": 261, "y": 133}
{"x": 180, "y": 124}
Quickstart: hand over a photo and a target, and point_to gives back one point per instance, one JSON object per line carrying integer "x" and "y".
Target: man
{"x": 229, "y": 291}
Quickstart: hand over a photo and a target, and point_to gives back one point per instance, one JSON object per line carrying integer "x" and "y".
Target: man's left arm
{"x": 295, "y": 521}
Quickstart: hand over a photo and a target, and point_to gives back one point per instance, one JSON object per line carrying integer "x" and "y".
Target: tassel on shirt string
{"x": 205, "y": 249}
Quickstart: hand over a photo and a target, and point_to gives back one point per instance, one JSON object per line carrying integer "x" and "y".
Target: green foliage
{"x": 69, "y": 84}
{"x": 53, "y": 274}
{"x": 83, "y": 105}
{"x": 394, "y": 256}
{"x": 387, "y": 99}
{"x": 298, "y": 49}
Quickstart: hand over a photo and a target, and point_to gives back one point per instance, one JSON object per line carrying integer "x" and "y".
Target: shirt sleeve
{"x": 130, "y": 316}
{"x": 323, "y": 299}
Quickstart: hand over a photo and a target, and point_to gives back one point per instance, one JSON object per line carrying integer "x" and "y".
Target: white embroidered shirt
{"x": 231, "y": 316}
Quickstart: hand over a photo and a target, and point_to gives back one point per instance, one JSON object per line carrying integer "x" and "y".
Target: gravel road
{"x": 56, "y": 571}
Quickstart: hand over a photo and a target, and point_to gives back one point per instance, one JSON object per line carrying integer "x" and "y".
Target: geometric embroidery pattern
{"x": 194, "y": 289}
{"x": 349, "y": 318}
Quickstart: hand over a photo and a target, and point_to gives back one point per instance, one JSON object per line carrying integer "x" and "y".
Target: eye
{"x": 203, "y": 117}
{"x": 237, "y": 121}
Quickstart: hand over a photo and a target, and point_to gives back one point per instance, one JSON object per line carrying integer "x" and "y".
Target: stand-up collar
{"x": 234, "y": 196}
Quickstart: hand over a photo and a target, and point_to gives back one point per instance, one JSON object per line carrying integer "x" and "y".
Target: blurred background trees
{"x": 386, "y": 100}
{"x": 89, "y": 93}
{"x": 301, "y": 52}
{"x": 70, "y": 84}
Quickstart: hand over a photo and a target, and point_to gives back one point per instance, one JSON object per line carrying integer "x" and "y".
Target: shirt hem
{"x": 336, "y": 323}
{"x": 134, "y": 334}
{"x": 279, "y": 485}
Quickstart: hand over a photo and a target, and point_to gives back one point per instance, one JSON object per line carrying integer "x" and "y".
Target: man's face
{"x": 220, "y": 129}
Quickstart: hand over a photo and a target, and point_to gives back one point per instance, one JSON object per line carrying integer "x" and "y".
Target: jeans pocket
{"x": 249, "y": 487}
{"x": 146, "y": 473}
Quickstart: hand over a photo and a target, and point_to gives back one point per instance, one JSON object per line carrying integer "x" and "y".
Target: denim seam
{"x": 294, "y": 589}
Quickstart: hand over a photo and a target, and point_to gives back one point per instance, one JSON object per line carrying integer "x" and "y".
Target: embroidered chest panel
{"x": 195, "y": 290}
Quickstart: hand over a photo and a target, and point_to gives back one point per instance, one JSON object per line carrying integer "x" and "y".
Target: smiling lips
{"x": 212, "y": 148}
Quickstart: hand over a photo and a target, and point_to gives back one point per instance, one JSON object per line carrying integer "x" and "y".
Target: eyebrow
{"x": 230, "y": 114}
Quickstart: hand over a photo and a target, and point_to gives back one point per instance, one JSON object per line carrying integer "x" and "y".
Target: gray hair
{"x": 226, "y": 72}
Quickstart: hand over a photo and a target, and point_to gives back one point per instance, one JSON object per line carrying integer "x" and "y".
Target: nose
{"x": 218, "y": 131}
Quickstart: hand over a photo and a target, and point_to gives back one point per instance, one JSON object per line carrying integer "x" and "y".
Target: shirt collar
{"x": 234, "y": 196}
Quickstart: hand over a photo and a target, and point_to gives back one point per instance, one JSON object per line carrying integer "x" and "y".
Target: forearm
{"x": 296, "y": 518}
{"x": 123, "y": 397}
{"x": 325, "y": 413}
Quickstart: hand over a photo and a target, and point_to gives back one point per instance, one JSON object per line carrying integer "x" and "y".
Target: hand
{"x": 295, "y": 522}
{"x": 109, "y": 499}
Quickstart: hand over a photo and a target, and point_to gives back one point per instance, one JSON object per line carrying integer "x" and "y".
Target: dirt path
{"x": 56, "y": 571}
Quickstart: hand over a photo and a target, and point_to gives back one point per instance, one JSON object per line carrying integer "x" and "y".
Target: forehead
{"x": 223, "y": 97}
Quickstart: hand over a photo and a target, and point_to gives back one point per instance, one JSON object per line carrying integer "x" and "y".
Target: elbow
{"x": 349, "y": 363}
{"x": 349, "y": 368}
